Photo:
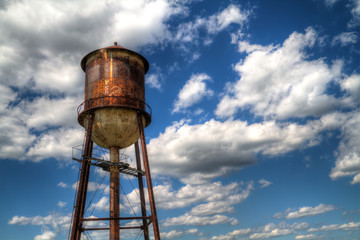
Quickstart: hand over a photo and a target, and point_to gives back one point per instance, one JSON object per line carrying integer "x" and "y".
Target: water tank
{"x": 115, "y": 93}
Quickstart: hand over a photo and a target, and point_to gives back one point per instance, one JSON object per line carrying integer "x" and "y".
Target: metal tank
{"x": 114, "y": 91}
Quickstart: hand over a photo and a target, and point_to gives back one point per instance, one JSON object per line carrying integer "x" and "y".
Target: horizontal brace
{"x": 118, "y": 218}
{"x": 93, "y": 229}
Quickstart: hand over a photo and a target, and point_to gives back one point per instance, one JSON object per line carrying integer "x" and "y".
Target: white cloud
{"x": 102, "y": 205}
{"x": 333, "y": 227}
{"x": 356, "y": 179}
{"x": 209, "y": 195}
{"x": 348, "y": 152}
{"x": 93, "y": 186}
{"x": 308, "y": 236}
{"x": 62, "y": 204}
{"x": 355, "y": 11}
{"x": 305, "y": 211}
{"x": 153, "y": 81}
{"x": 194, "y": 91}
{"x": 233, "y": 235}
{"x": 55, "y": 220}
{"x": 273, "y": 233}
{"x": 197, "y": 153}
{"x": 55, "y": 144}
{"x": 282, "y": 229}
{"x": 15, "y": 137}
{"x": 47, "y": 235}
{"x": 264, "y": 183}
{"x": 188, "y": 219}
{"x": 330, "y": 3}
{"x": 267, "y": 231}
{"x": 176, "y": 234}
{"x": 172, "y": 234}
{"x": 278, "y": 81}
{"x": 211, "y": 208}
{"x": 7, "y": 95}
{"x": 218, "y": 199}
{"x": 231, "y": 14}
{"x": 62, "y": 185}
{"x": 345, "y": 38}
{"x": 188, "y": 33}
{"x": 44, "y": 112}
{"x": 155, "y": 77}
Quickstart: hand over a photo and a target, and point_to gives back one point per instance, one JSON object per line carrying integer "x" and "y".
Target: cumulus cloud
{"x": 193, "y": 91}
{"x": 176, "y": 234}
{"x": 348, "y": 153}
{"x": 224, "y": 202}
{"x": 206, "y": 199}
{"x": 45, "y": 112}
{"x": 15, "y": 137}
{"x": 305, "y": 211}
{"x": 47, "y": 235}
{"x": 278, "y": 81}
{"x": 189, "y": 33}
{"x": 102, "y": 205}
{"x": 200, "y": 152}
{"x": 55, "y": 144}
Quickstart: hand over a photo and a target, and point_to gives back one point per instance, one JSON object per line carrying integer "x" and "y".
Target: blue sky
{"x": 256, "y": 124}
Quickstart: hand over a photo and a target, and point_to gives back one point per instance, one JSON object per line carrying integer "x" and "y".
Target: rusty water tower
{"x": 114, "y": 115}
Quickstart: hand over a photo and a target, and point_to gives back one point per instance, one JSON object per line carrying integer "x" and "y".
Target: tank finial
{"x": 115, "y": 43}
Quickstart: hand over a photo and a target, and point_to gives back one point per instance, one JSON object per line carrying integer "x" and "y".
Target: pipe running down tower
{"x": 114, "y": 115}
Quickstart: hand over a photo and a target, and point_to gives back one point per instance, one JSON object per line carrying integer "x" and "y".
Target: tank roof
{"x": 115, "y": 46}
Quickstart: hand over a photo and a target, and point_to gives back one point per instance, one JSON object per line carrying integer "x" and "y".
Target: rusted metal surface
{"x": 148, "y": 179}
{"x": 114, "y": 101}
{"x": 83, "y": 183}
{"x": 114, "y": 218}
{"x": 115, "y": 91}
{"x": 141, "y": 190}
{"x": 114, "y": 76}
{"x": 114, "y": 195}
{"x": 93, "y": 229}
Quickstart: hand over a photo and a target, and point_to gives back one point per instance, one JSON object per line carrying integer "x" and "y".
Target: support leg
{"x": 148, "y": 178}
{"x": 83, "y": 183}
{"x": 141, "y": 190}
{"x": 114, "y": 195}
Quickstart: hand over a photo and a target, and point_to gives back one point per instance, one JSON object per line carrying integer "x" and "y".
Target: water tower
{"x": 114, "y": 115}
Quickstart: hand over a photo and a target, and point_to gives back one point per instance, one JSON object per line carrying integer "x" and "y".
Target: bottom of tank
{"x": 113, "y": 127}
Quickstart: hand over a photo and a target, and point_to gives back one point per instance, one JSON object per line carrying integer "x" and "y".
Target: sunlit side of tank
{"x": 115, "y": 92}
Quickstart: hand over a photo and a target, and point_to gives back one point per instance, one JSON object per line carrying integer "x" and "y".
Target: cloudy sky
{"x": 256, "y": 123}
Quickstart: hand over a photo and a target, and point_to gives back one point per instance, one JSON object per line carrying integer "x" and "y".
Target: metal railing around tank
{"x": 115, "y": 101}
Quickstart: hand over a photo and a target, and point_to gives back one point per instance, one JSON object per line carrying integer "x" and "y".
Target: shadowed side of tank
{"x": 115, "y": 93}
